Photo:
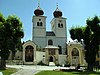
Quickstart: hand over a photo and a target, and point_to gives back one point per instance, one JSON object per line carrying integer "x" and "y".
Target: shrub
{"x": 41, "y": 63}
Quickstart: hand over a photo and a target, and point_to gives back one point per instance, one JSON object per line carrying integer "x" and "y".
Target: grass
{"x": 8, "y": 71}
{"x": 66, "y": 73}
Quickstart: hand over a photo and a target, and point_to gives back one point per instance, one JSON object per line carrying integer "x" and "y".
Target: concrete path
{"x": 26, "y": 72}
{"x": 36, "y": 67}
{"x": 32, "y": 69}
{"x": 29, "y": 69}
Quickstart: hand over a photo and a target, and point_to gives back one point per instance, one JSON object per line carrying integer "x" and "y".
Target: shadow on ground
{"x": 87, "y": 73}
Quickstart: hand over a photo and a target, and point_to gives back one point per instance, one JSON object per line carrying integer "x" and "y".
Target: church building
{"x": 51, "y": 42}
{"x": 58, "y": 34}
{"x": 50, "y": 46}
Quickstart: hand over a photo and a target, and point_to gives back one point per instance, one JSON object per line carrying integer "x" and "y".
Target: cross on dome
{"x": 38, "y": 11}
{"x": 57, "y": 13}
{"x": 38, "y": 5}
{"x": 57, "y": 9}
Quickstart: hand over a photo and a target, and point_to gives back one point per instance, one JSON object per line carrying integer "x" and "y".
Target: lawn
{"x": 8, "y": 71}
{"x": 66, "y": 73}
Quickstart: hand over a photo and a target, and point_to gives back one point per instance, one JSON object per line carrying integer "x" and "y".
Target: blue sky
{"x": 76, "y": 12}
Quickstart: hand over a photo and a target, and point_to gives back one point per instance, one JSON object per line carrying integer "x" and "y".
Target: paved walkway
{"x": 32, "y": 69}
{"x": 26, "y": 72}
{"x": 36, "y": 67}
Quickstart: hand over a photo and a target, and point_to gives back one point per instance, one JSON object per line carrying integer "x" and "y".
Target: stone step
{"x": 51, "y": 64}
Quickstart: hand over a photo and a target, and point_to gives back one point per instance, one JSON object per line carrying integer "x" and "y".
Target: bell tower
{"x": 39, "y": 27}
{"x": 58, "y": 24}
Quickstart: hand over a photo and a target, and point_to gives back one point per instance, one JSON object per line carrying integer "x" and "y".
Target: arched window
{"x": 40, "y": 23}
{"x": 50, "y": 42}
{"x": 59, "y": 25}
{"x": 75, "y": 52}
{"x": 37, "y": 23}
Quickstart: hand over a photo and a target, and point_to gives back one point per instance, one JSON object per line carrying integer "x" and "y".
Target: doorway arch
{"x": 50, "y": 59}
{"x": 29, "y": 53}
{"x": 75, "y": 56}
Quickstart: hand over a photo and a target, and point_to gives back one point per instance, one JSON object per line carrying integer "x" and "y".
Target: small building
{"x": 29, "y": 52}
{"x": 76, "y": 54}
{"x": 51, "y": 54}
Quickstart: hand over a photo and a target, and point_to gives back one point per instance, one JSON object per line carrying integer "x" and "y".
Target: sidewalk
{"x": 26, "y": 72}
{"x": 32, "y": 69}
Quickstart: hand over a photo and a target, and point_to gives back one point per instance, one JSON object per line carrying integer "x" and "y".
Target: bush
{"x": 66, "y": 65}
{"x": 58, "y": 65}
{"x": 41, "y": 63}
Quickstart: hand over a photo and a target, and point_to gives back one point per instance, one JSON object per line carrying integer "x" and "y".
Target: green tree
{"x": 91, "y": 36}
{"x": 16, "y": 32}
{"x": 3, "y": 49}
{"x": 76, "y": 33}
{"x": 92, "y": 40}
{"x": 10, "y": 37}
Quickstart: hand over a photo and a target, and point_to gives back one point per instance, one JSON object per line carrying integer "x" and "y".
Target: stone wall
{"x": 62, "y": 59}
{"x": 39, "y": 56}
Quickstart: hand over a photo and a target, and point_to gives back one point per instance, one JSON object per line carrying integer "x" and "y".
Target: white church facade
{"x": 52, "y": 43}
{"x": 50, "y": 46}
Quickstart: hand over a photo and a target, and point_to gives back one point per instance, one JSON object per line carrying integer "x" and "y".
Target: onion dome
{"x": 57, "y": 13}
{"x": 38, "y": 11}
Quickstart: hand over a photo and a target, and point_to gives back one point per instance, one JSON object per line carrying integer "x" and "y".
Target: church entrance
{"x": 51, "y": 55}
{"x": 50, "y": 59}
{"x": 29, "y": 53}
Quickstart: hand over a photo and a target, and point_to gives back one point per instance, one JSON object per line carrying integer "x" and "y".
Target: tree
{"x": 76, "y": 33}
{"x": 16, "y": 32}
{"x": 3, "y": 49}
{"x": 91, "y": 36}
{"x": 10, "y": 37}
{"x": 92, "y": 40}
